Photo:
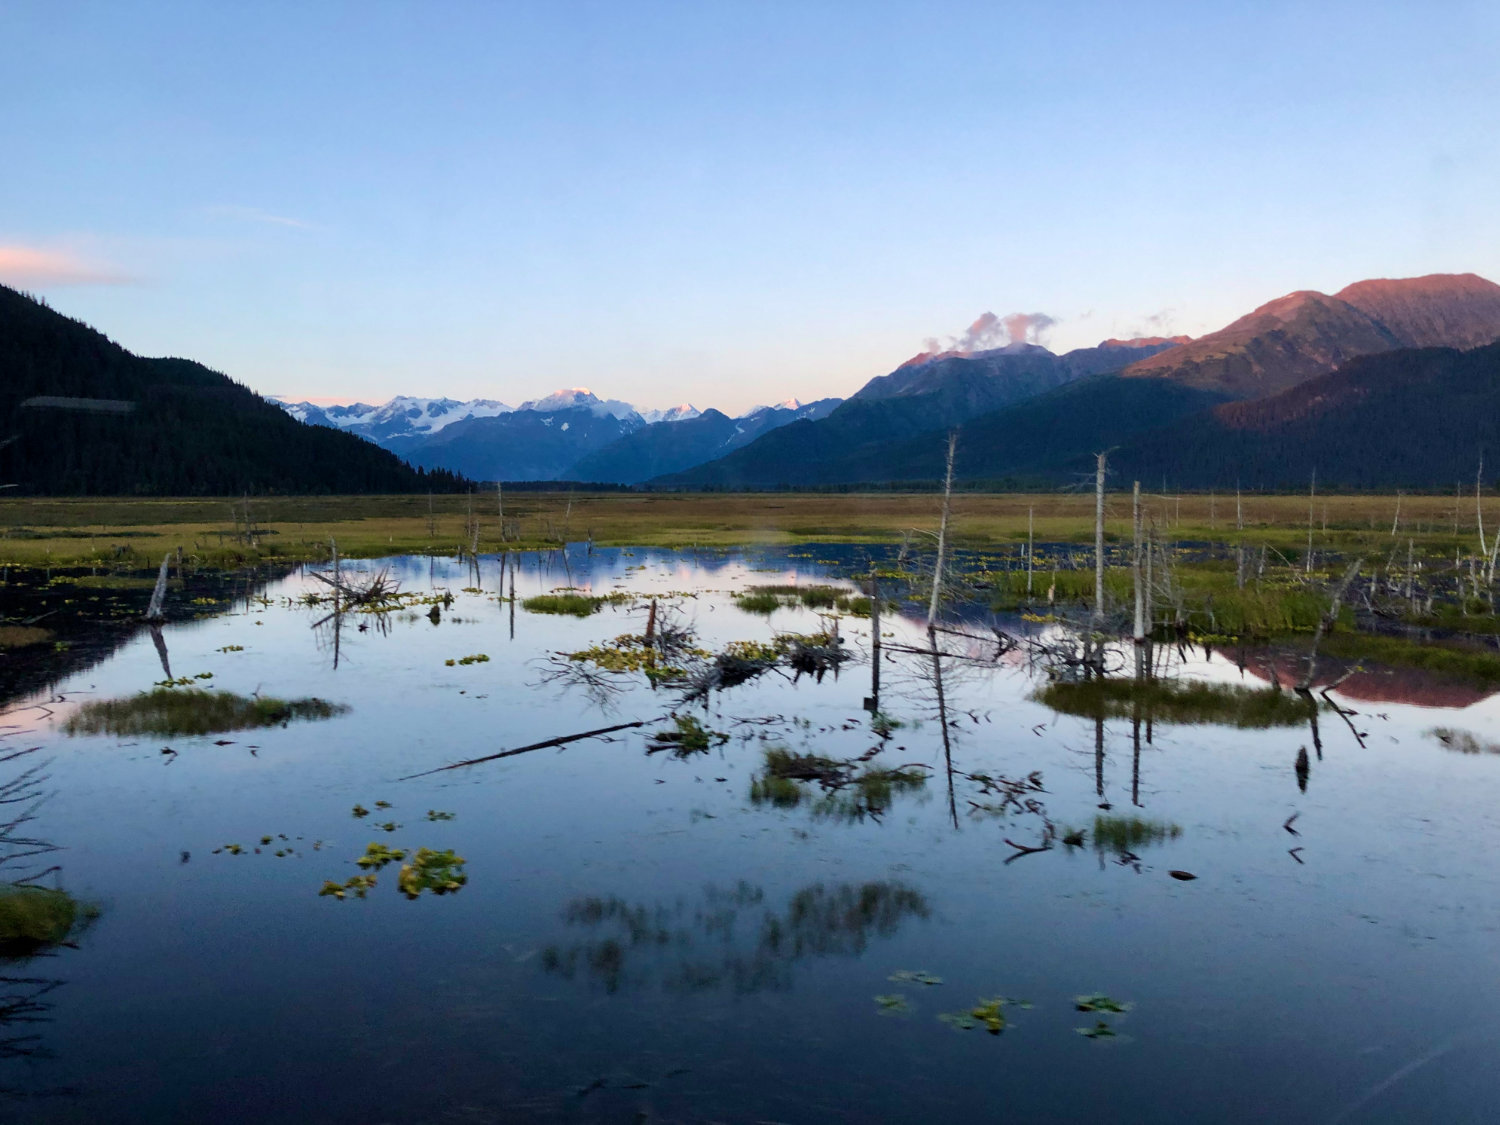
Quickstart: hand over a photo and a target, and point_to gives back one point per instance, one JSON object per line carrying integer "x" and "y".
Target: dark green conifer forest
{"x": 187, "y": 431}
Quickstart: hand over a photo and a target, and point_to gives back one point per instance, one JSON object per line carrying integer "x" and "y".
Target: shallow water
{"x": 638, "y": 940}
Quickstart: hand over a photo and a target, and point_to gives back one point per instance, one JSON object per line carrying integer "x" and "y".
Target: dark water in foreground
{"x": 639, "y": 941}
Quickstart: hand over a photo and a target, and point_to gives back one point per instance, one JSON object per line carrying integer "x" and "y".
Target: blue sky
{"x": 726, "y": 203}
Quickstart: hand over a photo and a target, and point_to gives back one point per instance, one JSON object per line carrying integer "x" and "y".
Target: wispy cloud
{"x": 30, "y": 265}
{"x": 256, "y": 215}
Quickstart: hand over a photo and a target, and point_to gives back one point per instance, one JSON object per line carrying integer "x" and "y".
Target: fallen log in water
{"x": 563, "y": 740}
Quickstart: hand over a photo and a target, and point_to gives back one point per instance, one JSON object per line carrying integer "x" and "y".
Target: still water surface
{"x": 639, "y": 941}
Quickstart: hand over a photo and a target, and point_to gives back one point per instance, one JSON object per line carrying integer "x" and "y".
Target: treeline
{"x": 160, "y": 426}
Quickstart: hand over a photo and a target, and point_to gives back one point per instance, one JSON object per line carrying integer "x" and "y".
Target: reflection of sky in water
{"x": 224, "y": 989}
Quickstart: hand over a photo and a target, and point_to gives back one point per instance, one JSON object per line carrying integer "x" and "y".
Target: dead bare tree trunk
{"x": 872, "y": 704}
{"x": 1239, "y": 550}
{"x": 1099, "y": 469}
{"x": 1326, "y": 622}
{"x": 1030, "y": 547}
{"x": 1311, "y": 494}
{"x": 154, "y": 611}
{"x": 1139, "y": 633}
{"x": 942, "y": 544}
{"x": 1479, "y": 503}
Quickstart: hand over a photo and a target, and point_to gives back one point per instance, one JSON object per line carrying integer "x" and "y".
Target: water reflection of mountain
{"x": 88, "y": 617}
{"x": 729, "y": 939}
{"x": 1418, "y": 687}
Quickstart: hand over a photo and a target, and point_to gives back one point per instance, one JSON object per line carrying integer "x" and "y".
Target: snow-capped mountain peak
{"x": 403, "y": 414}
{"x": 788, "y": 404}
{"x": 570, "y": 398}
{"x": 682, "y": 412}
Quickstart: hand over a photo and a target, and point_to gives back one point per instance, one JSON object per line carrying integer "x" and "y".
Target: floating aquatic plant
{"x": 914, "y": 976}
{"x": 438, "y": 872}
{"x": 434, "y": 814}
{"x": 893, "y": 1004}
{"x": 475, "y": 658}
{"x": 1100, "y": 1030}
{"x": 378, "y": 855}
{"x": 1098, "y": 1002}
{"x": 360, "y": 885}
{"x": 687, "y": 736}
{"x": 989, "y": 1014}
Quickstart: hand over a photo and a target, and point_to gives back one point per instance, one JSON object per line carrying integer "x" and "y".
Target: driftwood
{"x": 562, "y": 740}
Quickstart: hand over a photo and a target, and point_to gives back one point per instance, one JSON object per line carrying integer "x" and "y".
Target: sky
{"x": 725, "y": 203}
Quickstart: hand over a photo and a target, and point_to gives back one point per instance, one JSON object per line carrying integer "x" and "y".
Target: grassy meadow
{"x": 104, "y": 531}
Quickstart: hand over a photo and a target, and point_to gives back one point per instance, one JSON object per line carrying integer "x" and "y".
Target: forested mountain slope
{"x": 171, "y": 426}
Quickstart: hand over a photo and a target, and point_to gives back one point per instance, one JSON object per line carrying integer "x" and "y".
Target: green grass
{"x": 173, "y": 712}
{"x": 765, "y": 604}
{"x": 1120, "y": 834}
{"x": 772, "y": 790}
{"x": 32, "y": 918}
{"x": 1167, "y": 701}
{"x": 767, "y": 599}
{"x": 569, "y": 605}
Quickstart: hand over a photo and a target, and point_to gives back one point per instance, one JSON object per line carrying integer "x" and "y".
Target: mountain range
{"x": 1062, "y": 408}
{"x": 571, "y": 434}
{"x": 1386, "y": 383}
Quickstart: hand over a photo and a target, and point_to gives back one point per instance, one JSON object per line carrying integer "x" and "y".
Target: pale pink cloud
{"x": 28, "y": 265}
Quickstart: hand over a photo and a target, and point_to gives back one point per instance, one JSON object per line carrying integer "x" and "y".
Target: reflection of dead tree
{"x": 22, "y": 1001}
{"x": 370, "y": 590}
{"x": 730, "y": 940}
{"x": 20, "y": 797}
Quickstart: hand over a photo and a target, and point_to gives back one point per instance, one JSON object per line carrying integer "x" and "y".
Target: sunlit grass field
{"x": 215, "y": 531}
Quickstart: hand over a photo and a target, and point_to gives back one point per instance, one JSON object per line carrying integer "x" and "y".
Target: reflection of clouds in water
{"x": 729, "y": 939}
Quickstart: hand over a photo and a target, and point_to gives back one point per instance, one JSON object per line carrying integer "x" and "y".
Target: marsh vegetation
{"x": 178, "y": 712}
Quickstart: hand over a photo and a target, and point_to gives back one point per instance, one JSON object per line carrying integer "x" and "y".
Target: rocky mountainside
{"x": 1306, "y": 334}
{"x": 925, "y": 394}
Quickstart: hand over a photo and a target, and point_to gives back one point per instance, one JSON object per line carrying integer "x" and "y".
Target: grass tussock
{"x": 176, "y": 712}
{"x": 32, "y": 918}
{"x": 1121, "y": 834}
{"x": 566, "y": 605}
{"x": 767, "y": 599}
{"x": 19, "y": 636}
{"x": 1165, "y": 701}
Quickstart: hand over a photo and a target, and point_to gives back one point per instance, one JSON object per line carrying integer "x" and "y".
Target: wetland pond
{"x": 760, "y": 902}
